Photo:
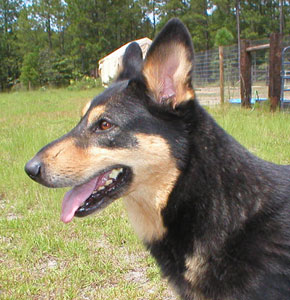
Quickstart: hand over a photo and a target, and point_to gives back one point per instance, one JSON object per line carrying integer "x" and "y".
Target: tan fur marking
{"x": 155, "y": 173}
{"x": 154, "y": 180}
{"x": 95, "y": 113}
{"x": 154, "y": 169}
{"x": 86, "y": 108}
{"x": 66, "y": 160}
{"x": 195, "y": 268}
{"x": 154, "y": 72}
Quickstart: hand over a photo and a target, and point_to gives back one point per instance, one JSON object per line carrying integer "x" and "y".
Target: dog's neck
{"x": 145, "y": 202}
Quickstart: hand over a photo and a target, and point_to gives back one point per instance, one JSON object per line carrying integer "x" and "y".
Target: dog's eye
{"x": 104, "y": 125}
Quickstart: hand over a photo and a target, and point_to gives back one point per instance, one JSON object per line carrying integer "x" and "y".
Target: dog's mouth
{"x": 96, "y": 194}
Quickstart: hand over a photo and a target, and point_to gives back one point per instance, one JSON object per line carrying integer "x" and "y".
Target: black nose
{"x": 32, "y": 168}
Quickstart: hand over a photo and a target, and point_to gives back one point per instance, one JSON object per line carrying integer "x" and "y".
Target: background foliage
{"x": 50, "y": 42}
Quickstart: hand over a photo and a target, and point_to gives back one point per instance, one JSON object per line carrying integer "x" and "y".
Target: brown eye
{"x": 105, "y": 125}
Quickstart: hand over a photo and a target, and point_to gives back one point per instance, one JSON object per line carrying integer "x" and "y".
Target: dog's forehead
{"x": 116, "y": 100}
{"x": 96, "y": 107}
{"x": 110, "y": 93}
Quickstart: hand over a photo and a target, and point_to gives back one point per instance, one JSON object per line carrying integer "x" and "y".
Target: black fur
{"x": 229, "y": 205}
{"x": 132, "y": 62}
{"x": 235, "y": 208}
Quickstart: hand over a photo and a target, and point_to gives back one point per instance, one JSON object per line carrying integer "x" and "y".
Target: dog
{"x": 215, "y": 217}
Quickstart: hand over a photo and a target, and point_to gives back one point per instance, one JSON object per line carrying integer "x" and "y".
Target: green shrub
{"x": 84, "y": 83}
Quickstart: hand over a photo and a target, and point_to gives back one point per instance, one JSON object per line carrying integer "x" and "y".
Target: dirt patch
{"x": 211, "y": 95}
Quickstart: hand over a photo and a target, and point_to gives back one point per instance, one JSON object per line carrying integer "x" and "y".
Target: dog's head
{"x": 130, "y": 137}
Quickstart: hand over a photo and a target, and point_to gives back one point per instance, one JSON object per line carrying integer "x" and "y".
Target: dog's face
{"x": 128, "y": 139}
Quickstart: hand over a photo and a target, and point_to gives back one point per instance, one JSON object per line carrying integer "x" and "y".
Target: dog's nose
{"x": 32, "y": 168}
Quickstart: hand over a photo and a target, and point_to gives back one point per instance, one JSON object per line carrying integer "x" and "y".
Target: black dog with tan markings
{"x": 215, "y": 217}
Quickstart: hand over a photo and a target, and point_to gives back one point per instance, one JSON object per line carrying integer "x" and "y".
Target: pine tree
{"x": 10, "y": 60}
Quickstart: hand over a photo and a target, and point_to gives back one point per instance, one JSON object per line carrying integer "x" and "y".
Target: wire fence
{"x": 206, "y": 72}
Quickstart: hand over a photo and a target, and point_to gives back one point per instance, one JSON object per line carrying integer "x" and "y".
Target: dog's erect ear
{"x": 168, "y": 64}
{"x": 132, "y": 62}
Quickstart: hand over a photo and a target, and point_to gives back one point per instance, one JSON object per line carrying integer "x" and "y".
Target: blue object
{"x": 253, "y": 100}
{"x": 285, "y": 76}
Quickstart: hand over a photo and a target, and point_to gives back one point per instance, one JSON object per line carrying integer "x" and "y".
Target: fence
{"x": 206, "y": 72}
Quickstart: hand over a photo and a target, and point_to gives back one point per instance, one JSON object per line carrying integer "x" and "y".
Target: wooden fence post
{"x": 222, "y": 87}
{"x": 245, "y": 74}
{"x": 275, "y": 70}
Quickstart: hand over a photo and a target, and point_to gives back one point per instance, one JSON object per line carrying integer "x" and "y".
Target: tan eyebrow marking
{"x": 95, "y": 113}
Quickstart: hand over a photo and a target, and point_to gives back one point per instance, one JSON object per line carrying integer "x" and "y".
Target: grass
{"x": 265, "y": 134}
{"x": 97, "y": 257}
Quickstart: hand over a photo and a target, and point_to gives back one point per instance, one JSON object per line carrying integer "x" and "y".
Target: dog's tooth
{"x": 114, "y": 174}
{"x": 101, "y": 188}
{"x": 108, "y": 182}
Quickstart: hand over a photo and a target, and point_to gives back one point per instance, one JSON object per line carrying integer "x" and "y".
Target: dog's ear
{"x": 132, "y": 62}
{"x": 169, "y": 63}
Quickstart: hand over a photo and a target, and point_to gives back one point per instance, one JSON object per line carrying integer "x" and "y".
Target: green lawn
{"x": 97, "y": 257}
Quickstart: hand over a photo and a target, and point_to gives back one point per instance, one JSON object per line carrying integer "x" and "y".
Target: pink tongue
{"x": 76, "y": 197}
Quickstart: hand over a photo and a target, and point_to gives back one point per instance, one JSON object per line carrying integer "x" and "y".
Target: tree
{"x": 10, "y": 61}
{"x": 46, "y": 12}
{"x": 223, "y": 37}
{"x": 201, "y": 24}
{"x": 68, "y": 37}
{"x": 30, "y": 34}
{"x": 195, "y": 14}
{"x": 96, "y": 28}
{"x": 30, "y": 75}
